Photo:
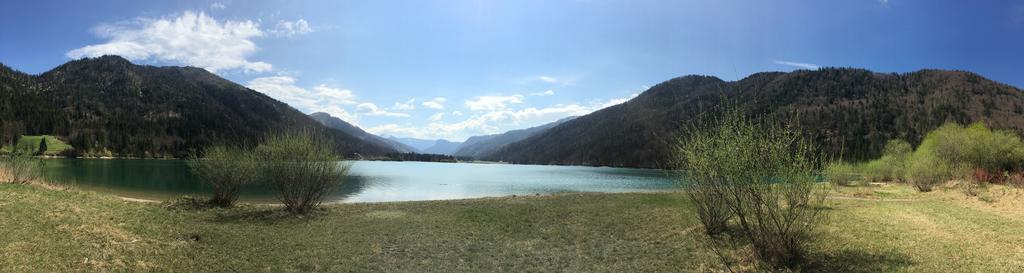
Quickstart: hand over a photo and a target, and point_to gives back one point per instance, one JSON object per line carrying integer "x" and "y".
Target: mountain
{"x": 848, "y": 112}
{"x": 485, "y": 146}
{"x": 418, "y": 144}
{"x": 109, "y": 106}
{"x": 338, "y": 124}
{"x": 428, "y": 146}
{"x": 442, "y": 147}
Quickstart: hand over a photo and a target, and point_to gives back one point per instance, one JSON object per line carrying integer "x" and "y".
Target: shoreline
{"x": 334, "y": 203}
{"x": 376, "y": 160}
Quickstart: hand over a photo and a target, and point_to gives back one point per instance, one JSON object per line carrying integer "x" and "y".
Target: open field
{"x": 871, "y": 229}
{"x": 53, "y": 144}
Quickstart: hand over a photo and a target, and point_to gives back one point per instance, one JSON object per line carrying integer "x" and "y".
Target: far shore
{"x": 371, "y": 159}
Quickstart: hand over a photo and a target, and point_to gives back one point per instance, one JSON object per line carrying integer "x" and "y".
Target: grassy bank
{"x": 887, "y": 228}
{"x": 54, "y": 146}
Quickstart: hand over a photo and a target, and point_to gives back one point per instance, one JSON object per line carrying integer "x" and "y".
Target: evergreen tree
{"x": 42, "y": 146}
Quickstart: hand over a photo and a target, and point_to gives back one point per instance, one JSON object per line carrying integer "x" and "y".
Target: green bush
{"x": 226, "y": 169}
{"x": 877, "y": 170}
{"x": 302, "y": 167}
{"x": 840, "y": 173}
{"x": 925, "y": 170}
{"x": 764, "y": 174}
{"x": 975, "y": 146}
{"x": 890, "y": 166}
{"x": 955, "y": 151}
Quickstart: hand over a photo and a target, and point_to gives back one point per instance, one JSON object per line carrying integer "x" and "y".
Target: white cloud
{"x": 493, "y": 114}
{"x": 335, "y": 95}
{"x": 290, "y": 28}
{"x": 497, "y": 121}
{"x": 371, "y": 109}
{"x": 548, "y": 79}
{"x": 598, "y": 105}
{"x": 193, "y": 39}
{"x": 218, "y": 5}
{"x": 320, "y": 98}
{"x": 435, "y": 103}
{"x": 397, "y": 130}
{"x": 408, "y": 105}
{"x": 343, "y": 114}
{"x": 799, "y": 65}
{"x": 491, "y": 103}
{"x": 500, "y": 121}
{"x": 542, "y": 94}
{"x": 436, "y": 117}
{"x": 283, "y": 88}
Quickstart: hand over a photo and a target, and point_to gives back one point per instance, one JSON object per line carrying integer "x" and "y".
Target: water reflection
{"x": 368, "y": 181}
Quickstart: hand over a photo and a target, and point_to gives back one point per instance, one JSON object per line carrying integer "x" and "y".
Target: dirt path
{"x": 879, "y": 199}
{"x": 138, "y": 200}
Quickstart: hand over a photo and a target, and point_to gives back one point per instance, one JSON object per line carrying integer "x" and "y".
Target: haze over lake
{"x": 369, "y": 181}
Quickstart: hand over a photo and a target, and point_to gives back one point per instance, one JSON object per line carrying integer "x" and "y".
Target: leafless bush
{"x": 763, "y": 174}
{"x": 302, "y": 167}
{"x": 226, "y": 169}
{"x": 19, "y": 167}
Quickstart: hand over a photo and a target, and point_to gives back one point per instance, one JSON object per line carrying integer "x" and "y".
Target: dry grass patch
{"x": 59, "y": 231}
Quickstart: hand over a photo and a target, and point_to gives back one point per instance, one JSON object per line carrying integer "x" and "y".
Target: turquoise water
{"x": 368, "y": 181}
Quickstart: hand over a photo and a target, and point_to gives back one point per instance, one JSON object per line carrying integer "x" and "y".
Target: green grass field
{"x": 53, "y": 144}
{"x": 870, "y": 230}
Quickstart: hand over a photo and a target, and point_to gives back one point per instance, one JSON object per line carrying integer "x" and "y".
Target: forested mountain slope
{"x": 849, "y": 112}
{"x": 109, "y": 106}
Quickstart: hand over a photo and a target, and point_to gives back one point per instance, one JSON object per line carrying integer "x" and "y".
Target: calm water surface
{"x": 368, "y": 181}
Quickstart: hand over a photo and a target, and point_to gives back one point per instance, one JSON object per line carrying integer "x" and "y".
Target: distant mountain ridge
{"x": 419, "y": 145}
{"x": 428, "y": 146}
{"x": 483, "y": 147}
{"x": 443, "y": 147}
{"x": 848, "y": 112}
{"x": 109, "y": 106}
{"x": 475, "y": 147}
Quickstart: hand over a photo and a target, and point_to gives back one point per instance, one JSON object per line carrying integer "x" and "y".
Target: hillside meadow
{"x": 879, "y": 227}
{"x": 54, "y": 146}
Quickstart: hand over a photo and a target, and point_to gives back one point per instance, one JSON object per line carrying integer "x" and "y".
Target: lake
{"x": 368, "y": 181}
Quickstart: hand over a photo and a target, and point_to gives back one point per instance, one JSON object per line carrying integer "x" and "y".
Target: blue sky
{"x": 453, "y": 69}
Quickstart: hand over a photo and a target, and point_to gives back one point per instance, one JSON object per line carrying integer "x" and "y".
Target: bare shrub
{"x": 226, "y": 169}
{"x": 302, "y": 167}
{"x": 187, "y": 203}
{"x": 20, "y": 167}
{"x": 1015, "y": 179}
{"x": 709, "y": 202}
{"x": 765, "y": 176}
{"x": 984, "y": 176}
{"x": 971, "y": 188}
